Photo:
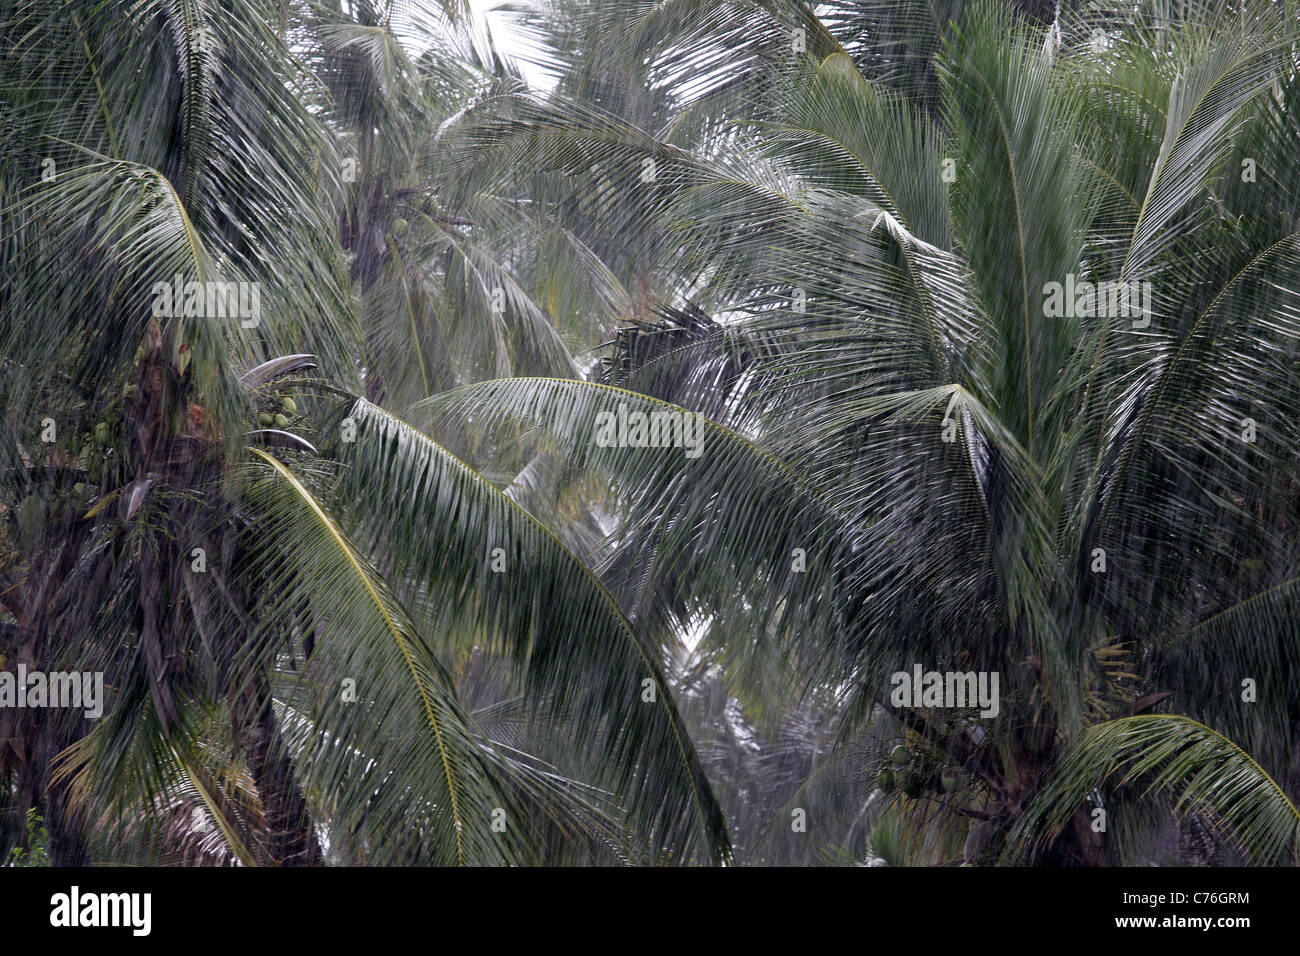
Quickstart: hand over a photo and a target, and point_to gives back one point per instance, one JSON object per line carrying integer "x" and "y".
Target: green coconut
{"x": 289, "y": 405}
{"x": 908, "y": 783}
{"x": 899, "y": 756}
{"x": 281, "y": 421}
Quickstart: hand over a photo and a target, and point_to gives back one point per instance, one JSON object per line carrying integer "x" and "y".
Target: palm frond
{"x": 1200, "y": 770}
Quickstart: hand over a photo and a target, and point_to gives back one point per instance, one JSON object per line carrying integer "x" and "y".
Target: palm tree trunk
{"x": 49, "y": 731}
{"x": 292, "y": 837}
{"x": 66, "y": 827}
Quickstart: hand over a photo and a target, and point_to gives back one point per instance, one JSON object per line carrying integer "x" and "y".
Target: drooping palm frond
{"x": 1197, "y": 768}
{"x": 850, "y": 135}
{"x": 1246, "y": 685}
{"x": 726, "y": 544}
{"x": 177, "y": 801}
{"x": 461, "y": 544}
{"x": 133, "y": 214}
{"x": 403, "y": 773}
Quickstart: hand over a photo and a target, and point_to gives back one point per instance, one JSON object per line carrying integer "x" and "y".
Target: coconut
{"x": 908, "y": 783}
{"x": 281, "y": 421}
{"x": 289, "y": 405}
{"x": 885, "y": 781}
{"x": 899, "y": 756}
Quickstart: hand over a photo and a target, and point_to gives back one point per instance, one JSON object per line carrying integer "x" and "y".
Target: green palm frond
{"x": 1021, "y": 208}
{"x": 1174, "y": 757}
{"x": 724, "y": 544}
{"x": 402, "y": 733}
{"x": 1218, "y": 655}
{"x": 462, "y": 544}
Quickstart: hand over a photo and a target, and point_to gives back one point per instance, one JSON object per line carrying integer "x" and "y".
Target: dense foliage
{"x": 971, "y": 330}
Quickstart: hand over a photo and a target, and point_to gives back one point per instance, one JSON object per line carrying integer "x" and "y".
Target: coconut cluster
{"x": 912, "y": 771}
{"x": 277, "y": 409}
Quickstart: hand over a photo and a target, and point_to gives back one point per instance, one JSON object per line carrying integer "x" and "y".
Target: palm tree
{"x": 915, "y": 458}
{"x": 274, "y": 608}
